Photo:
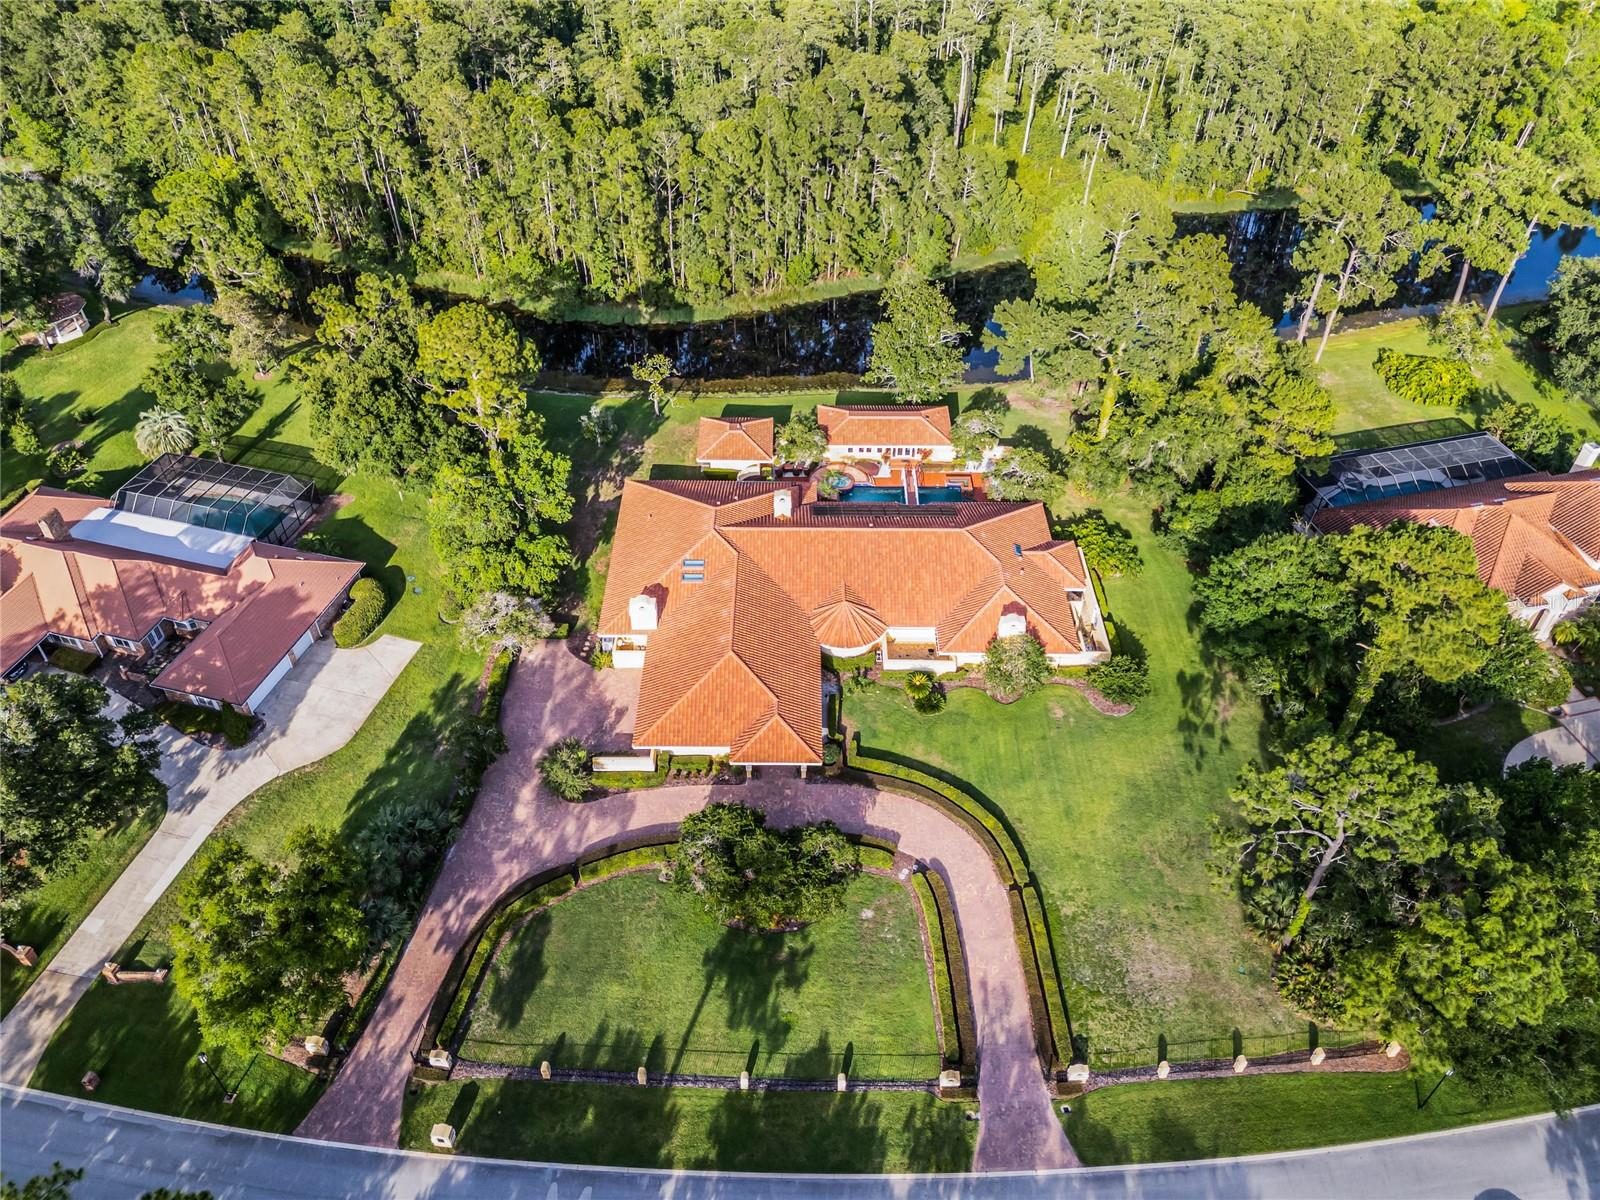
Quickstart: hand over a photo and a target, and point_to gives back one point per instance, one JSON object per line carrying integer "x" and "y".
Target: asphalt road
{"x": 124, "y": 1153}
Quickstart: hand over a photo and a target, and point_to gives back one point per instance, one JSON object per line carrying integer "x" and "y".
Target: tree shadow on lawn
{"x": 423, "y": 762}
{"x": 517, "y": 972}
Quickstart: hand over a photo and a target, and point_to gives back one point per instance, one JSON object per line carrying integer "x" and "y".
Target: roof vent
{"x": 783, "y": 504}
{"x": 642, "y": 613}
{"x": 53, "y": 527}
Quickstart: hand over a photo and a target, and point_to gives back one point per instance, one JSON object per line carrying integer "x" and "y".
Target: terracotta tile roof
{"x": 87, "y": 589}
{"x": 1530, "y": 533}
{"x": 885, "y": 425}
{"x": 734, "y": 663}
{"x": 847, "y": 621}
{"x": 829, "y": 574}
{"x": 734, "y": 439}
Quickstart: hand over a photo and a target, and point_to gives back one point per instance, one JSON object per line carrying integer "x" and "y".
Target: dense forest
{"x": 662, "y": 150}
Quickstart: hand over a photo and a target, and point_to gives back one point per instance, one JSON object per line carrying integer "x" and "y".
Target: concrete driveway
{"x": 315, "y": 710}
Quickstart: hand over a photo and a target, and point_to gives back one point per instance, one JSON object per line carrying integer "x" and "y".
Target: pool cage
{"x": 1407, "y": 470}
{"x": 266, "y": 505}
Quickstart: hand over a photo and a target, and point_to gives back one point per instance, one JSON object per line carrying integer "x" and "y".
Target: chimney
{"x": 783, "y": 504}
{"x": 642, "y": 613}
{"x": 1012, "y": 624}
{"x": 53, "y": 527}
{"x": 1587, "y": 457}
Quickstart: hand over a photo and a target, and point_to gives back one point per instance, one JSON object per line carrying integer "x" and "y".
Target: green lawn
{"x": 396, "y": 753}
{"x": 1113, "y": 814}
{"x": 1216, "y": 1118}
{"x": 686, "y": 1128}
{"x": 633, "y": 972}
{"x": 1364, "y": 402}
{"x": 143, "y": 1041}
{"x": 48, "y": 918}
{"x": 1474, "y": 750}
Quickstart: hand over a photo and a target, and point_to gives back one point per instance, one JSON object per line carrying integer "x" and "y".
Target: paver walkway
{"x": 315, "y": 710}
{"x": 516, "y": 829}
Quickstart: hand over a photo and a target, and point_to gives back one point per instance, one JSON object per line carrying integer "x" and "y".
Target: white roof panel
{"x": 159, "y": 536}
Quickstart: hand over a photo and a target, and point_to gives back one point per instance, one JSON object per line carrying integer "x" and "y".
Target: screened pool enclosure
{"x": 266, "y": 505}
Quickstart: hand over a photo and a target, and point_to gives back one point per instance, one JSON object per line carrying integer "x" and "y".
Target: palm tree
{"x": 1580, "y": 634}
{"x": 162, "y": 431}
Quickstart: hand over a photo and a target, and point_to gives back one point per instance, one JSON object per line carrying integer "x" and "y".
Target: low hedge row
{"x": 876, "y": 858}
{"x": 1039, "y": 1010}
{"x": 477, "y": 961}
{"x": 1049, "y": 978}
{"x": 964, "y": 807}
{"x": 625, "y": 860}
{"x": 952, "y": 988}
{"x": 495, "y": 693}
{"x": 367, "y": 602}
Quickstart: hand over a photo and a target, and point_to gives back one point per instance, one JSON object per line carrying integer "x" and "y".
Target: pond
{"x": 835, "y": 336}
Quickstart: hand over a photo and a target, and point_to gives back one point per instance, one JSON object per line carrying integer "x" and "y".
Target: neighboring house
{"x": 739, "y": 444}
{"x": 727, "y": 594}
{"x": 1536, "y": 536}
{"x": 78, "y": 571}
{"x": 65, "y": 319}
{"x": 888, "y": 433}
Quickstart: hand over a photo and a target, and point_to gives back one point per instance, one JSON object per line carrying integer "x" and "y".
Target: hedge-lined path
{"x": 314, "y": 711}
{"x": 516, "y": 830}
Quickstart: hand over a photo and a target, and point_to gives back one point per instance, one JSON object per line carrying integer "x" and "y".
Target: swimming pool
{"x": 864, "y": 493}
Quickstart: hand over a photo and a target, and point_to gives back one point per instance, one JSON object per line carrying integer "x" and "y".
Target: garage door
{"x": 301, "y": 646}
{"x": 270, "y": 682}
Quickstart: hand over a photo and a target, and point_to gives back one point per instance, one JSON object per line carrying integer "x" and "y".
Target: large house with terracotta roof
{"x": 738, "y": 444}
{"x": 726, "y": 594}
{"x": 887, "y": 433}
{"x": 1536, "y": 536}
{"x": 78, "y": 571}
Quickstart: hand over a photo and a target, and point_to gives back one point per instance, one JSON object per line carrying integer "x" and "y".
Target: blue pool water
{"x": 1382, "y": 491}
{"x": 867, "y": 494}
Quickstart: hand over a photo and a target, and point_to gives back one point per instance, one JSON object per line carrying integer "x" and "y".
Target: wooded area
{"x": 660, "y": 151}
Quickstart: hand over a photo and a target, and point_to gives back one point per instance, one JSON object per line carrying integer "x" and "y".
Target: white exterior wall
{"x": 264, "y": 689}
{"x": 628, "y": 660}
{"x": 732, "y": 464}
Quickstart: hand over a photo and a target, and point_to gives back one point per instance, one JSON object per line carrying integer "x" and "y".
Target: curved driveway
{"x": 516, "y": 830}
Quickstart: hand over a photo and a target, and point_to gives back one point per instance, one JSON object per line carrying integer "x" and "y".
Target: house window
{"x": 123, "y": 643}
{"x": 61, "y": 639}
{"x": 205, "y": 702}
{"x": 186, "y": 625}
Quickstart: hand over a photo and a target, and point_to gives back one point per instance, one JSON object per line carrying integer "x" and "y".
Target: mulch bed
{"x": 1100, "y": 704}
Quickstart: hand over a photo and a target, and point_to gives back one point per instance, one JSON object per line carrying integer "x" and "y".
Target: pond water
{"x": 835, "y": 336}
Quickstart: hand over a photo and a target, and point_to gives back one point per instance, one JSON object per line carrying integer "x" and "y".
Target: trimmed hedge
{"x": 875, "y": 858}
{"x": 1038, "y": 1008}
{"x": 1049, "y": 978}
{"x": 367, "y": 603}
{"x": 1426, "y": 378}
{"x": 483, "y": 951}
{"x": 625, "y": 860}
{"x": 495, "y": 692}
{"x": 959, "y": 804}
{"x": 952, "y": 989}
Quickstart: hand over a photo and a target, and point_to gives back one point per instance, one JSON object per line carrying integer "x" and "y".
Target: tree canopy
{"x": 745, "y": 873}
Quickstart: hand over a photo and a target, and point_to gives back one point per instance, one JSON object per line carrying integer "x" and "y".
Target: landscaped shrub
{"x": 949, "y": 970}
{"x": 874, "y": 858}
{"x": 600, "y": 660}
{"x": 188, "y": 718}
{"x": 1049, "y": 979}
{"x": 926, "y": 694}
{"x": 1038, "y": 1006}
{"x": 1014, "y": 666}
{"x": 566, "y": 769}
{"x": 744, "y": 873}
{"x": 1545, "y": 441}
{"x": 66, "y": 460}
{"x": 1426, "y": 379}
{"x": 400, "y": 849}
{"x": 361, "y": 618}
{"x": 494, "y": 693}
{"x": 1110, "y": 549}
{"x": 1121, "y": 679}
{"x": 76, "y": 661}
{"x": 626, "y": 860}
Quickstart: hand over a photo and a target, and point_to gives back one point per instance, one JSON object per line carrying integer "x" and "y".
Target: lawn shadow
{"x": 778, "y": 412}
{"x": 461, "y": 1107}
{"x": 840, "y": 1133}
{"x": 517, "y": 971}
{"x": 426, "y": 753}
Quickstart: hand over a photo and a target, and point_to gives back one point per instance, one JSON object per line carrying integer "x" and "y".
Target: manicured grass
{"x": 1516, "y": 373}
{"x": 143, "y": 1041}
{"x": 1213, "y": 1118}
{"x": 632, "y": 972}
{"x": 1114, "y": 814}
{"x": 693, "y": 1129}
{"x": 1475, "y": 749}
{"x": 48, "y": 918}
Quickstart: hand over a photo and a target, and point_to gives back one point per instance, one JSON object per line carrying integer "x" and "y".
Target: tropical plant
{"x": 567, "y": 770}
{"x": 744, "y": 872}
{"x": 801, "y": 439}
{"x": 1016, "y": 665}
{"x": 1121, "y": 679}
{"x": 162, "y": 431}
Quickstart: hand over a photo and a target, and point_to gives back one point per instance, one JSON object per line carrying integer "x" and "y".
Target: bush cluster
{"x": 361, "y": 618}
{"x": 1121, "y": 679}
{"x": 1426, "y": 379}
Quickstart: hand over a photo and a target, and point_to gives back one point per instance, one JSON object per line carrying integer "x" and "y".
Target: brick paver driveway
{"x": 516, "y": 829}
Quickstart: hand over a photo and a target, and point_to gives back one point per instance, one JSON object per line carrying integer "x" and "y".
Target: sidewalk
{"x": 315, "y": 710}
{"x": 1573, "y": 742}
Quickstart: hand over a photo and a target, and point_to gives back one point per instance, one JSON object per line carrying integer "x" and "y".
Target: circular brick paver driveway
{"x": 516, "y": 829}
